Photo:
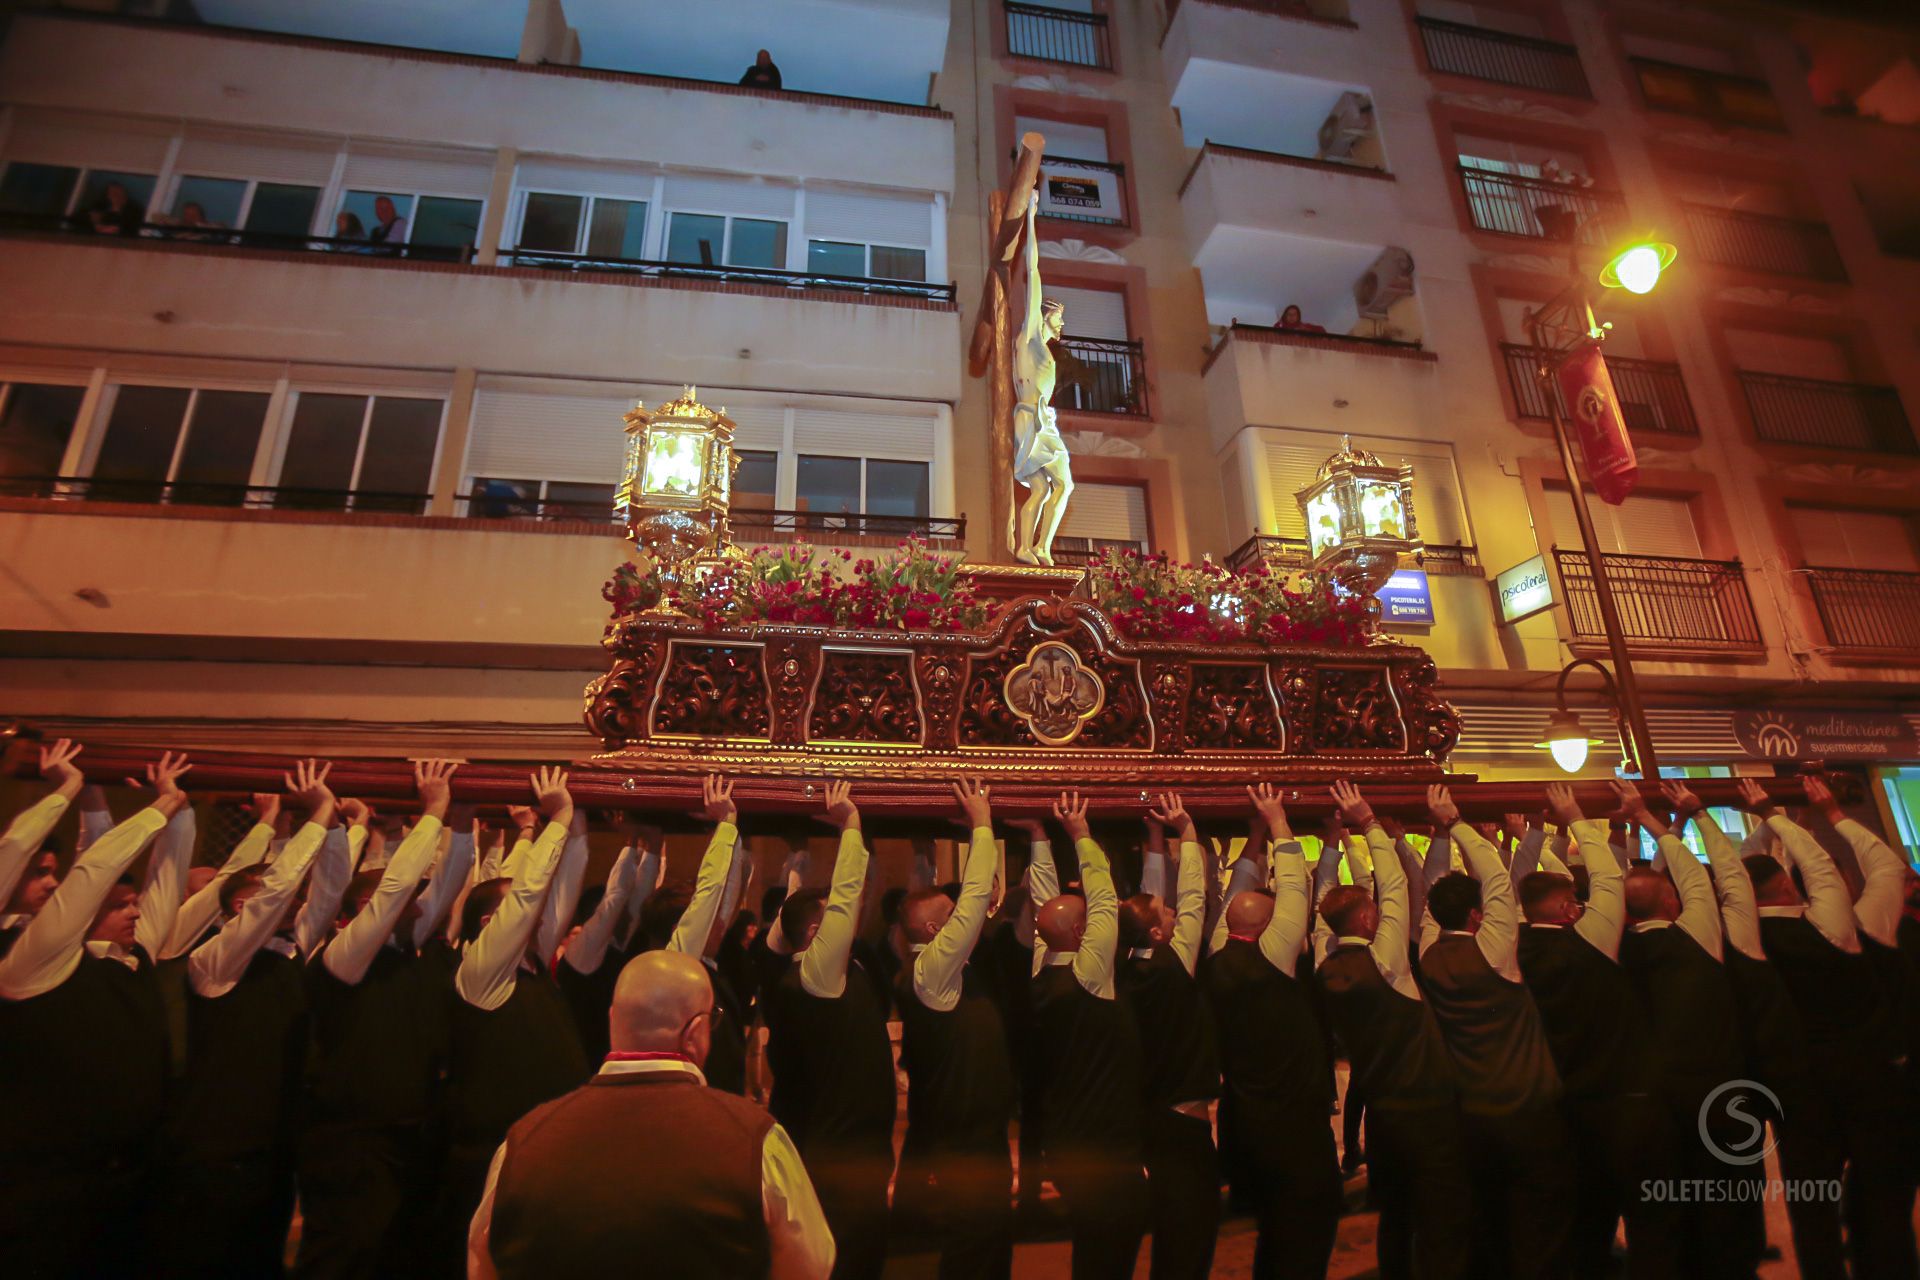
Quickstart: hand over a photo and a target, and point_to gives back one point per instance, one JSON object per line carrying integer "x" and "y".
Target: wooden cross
{"x": 990, "y": 353}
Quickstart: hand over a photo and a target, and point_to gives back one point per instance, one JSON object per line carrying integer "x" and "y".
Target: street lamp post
{"x": 1632, "y": 270}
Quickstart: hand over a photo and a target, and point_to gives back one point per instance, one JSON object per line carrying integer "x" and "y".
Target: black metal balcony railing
{"x": 750, "y": 524}
{"x": 1058, "y": 35}
{"x": 1868, "y": 610}
{"x": 1117, "y": 217}
{"x": 1665, "y": 602}
{"x": 1484, "y": 54}
{"x": 1439, "y": 560}
{"x": 1099, "y": 375}
{"x": 1540, "y": 208}
{"x": 1827, "y": 415}
{"x": 1710, "y": 95}
{"x": 200, "y": 493}
{"x": 174, "y": 234}
{"x": 798, "y": 280}
{"x": 1763, "y": 242}
{"x": 1653, "y": 395}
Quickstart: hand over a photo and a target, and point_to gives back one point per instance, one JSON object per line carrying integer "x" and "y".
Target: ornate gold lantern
{"x": 676, "y": 487}
{"x": 1359, "y": 516}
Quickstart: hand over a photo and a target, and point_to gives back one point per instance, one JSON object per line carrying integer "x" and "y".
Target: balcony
{"x": 1100, "y": 375}
{"x": 643, "y": 269}
{"x": 1104, "y": 177}
{"x": 1827, "y": 415}
{"x": 1522, "y": 61}
{"x": 1653, "y": 395}
{"x": 190, "y": 299}
{"x": 1868, "y": 612}
{"x": 1073, "y": 37}
{"x": 197, "y": 493}
{"x": 750, "y": 524}
{"x": 1708, "y": 95}
{"x": 1259, "y": 206}
{"x": 1259, "y": 374}
{"x": 1539, "y": 208}
{"x": 1762, "y": 242}
{"x": 1085, "y": 551}
{"x": 1666, "y": 604}
{"x": 1436, "y": 560}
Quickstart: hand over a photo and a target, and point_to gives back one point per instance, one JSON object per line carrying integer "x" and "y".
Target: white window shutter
{"x": 1832, "y": 538}
{"x": 570, "y": 178}
{"x": 80, "y": 142}
{"x": 738, "y": 196}
{"x": 520, "y": 435}
{"x": 869, "y": 219}
{"x": 435, "y": 173}
{"x": 1110, "y": 512}
{"x": 225, "y": 154}
{"x": 841, "y": 433}
{"x": 1091, "y": 313}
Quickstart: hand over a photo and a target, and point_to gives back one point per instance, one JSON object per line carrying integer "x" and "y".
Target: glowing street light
{"x": 1568, "y": 741}
{"x": 1637, "y": 268}
{"x": 1567, "y": 738}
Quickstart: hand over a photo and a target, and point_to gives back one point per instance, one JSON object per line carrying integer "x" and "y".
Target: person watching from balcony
{"x": 118, "y": 213}
{"x": 346, "y": 226}
{"x": 193, "y": 223}
{"x": 1291, "y": 321}
{"x": 389, "y": 228}
{"x": 84, "y": 1052}
{"x": 763, "y": 74}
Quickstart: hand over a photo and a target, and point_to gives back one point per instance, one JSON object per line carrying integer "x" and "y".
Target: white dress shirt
{"x": 50, "y": 948}
{"x": 939, "y": 965}
{"x": 490, "y": 964}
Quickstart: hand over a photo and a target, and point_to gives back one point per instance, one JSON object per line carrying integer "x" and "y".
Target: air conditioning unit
{"x": 1350, "y": 124}
{"x": 1388, "y": 280}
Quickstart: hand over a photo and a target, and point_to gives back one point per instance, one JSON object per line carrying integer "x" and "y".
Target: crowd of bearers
{"x": 447, "y": 1055}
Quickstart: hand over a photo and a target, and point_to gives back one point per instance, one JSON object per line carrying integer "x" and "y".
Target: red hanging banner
{"x": 1586, "y": 389}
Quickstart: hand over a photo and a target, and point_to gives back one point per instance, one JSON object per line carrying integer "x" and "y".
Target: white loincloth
{"x": 1035, "y": 448}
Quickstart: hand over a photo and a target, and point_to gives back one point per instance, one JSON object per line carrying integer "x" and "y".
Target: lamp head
{"x": 1637, "y": 268}
{"x": 1567, "y": 740}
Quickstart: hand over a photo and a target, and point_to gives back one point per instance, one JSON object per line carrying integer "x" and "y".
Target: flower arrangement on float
{"x": 1148, "y": 597}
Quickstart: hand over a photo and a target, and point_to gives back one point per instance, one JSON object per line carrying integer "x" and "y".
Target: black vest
{"x": 832, "y": 1061}
{"x": 1087, "y": 1056}
{"x": 646, "y": 1172}
{"x": 1180, "y": 1060}
{"x": 1844, "y": 1003}
{"x": 509, "y": 1060}
{"x": 84, "y": 1067}
{"x": 246, "y": 1052}
{"x": 1273, "y": 1051}
{"x": 1589, "y": 1008}
{"x": 1772, "y": 1035}
{"x": 959, "y": 1079}
{"x": 1398, "y": 1059}
{"x": 1693, "y": 1022}
{"x": 590, "y": 998}
{"x": 1491, "y": 1027}
{"x": 727, "y": 1058}
{"x": 379, "y": 1045}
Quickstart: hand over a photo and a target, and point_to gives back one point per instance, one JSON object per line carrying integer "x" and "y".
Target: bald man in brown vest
{"x": 646, "y": 1162}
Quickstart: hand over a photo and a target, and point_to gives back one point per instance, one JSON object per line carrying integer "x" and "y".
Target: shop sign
{"x": 1407, "y": 599}
{"x": 1826, "y": 735}
{"x": 1524, "y": 590}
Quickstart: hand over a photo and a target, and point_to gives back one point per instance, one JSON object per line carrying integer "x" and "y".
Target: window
{"x": 1643, "y": 525}
{"x": 36, "y": 422}
{"x": 378, "y": 448}
{"x": 42, "y": 190}
{"x": 758, "y": 474}
{"x": 876, "y": 486}
{"x": 1102, "y": 516}
{"x": 710, "y": 239}
{"x": 877, "y": 262}
{"x": 446, "y": 224}
{"x": 93, "y": 190}
{"x": 1845, "y": 538}
{"x": 220, "y": 199}
{"x": 555, "y": 223}
{"x": 495, "y": 499}
{"x": 282, "y": 208}
{"x": 202, "y": 442}
{"x": 272, "y": 208}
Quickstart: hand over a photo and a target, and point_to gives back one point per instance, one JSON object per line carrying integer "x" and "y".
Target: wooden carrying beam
{"x": 491, "y": 784}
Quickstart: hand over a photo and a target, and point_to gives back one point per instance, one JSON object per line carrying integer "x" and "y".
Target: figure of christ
{"x": 1040, "y": 456}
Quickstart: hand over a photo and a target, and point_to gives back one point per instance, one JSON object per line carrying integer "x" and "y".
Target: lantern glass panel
{"x": 723, "y": 470}
{"x": 1383, "y": 513}
{"x": 676, "y": 463}
{"x": 1323, "y": 521}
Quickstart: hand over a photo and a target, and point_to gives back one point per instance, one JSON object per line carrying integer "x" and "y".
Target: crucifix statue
{"x": 1026, "y": 447}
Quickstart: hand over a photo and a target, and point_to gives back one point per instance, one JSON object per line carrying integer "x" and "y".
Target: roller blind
{"x": 1115, "y": 512}
{"x": 758, "y": 426}
{"x": 584, "y": 179}
{"x": 123, "y": 148}
{"x": 1643, "y": 525}
{"x": 852, "y": 434}
{"x": 433, "y": 173}
{"x": 730, "y": 195}
{"x": 518, "y": 435}
{"x": 1091, "y": 313}
{"x": 221, "y": 155}
{"x": 869, "y": 219}
{"x": 1833, "y": 538}
{"x": 1068, "y": 141}
{"x": 1293, "y": 462}
{"x": 1793, "y": 355}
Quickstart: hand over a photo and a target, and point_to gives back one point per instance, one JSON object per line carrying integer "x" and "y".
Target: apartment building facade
{"x": 431, "y": 427}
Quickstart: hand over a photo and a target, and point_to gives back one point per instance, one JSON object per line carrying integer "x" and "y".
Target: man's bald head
{"x": 662, "y": 1003}
{"x": 1651, "y": 896}
{"x": 923, "y": 912}
{"x": 1249, "y": 913}
{"x": 1061, "y": 922}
